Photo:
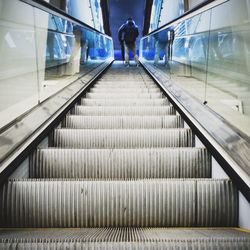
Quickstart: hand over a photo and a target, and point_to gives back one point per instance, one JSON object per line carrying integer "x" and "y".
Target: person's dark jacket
{"x": 128, "y": 32}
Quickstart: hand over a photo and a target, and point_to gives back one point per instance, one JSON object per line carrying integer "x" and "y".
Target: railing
{"x": 42, "y": 51}
{"x": 207, "y": 53}
{"x": 202, "y": 62}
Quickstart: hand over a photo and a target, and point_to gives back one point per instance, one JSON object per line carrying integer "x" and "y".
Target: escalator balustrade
{"x": 121, "y": 171}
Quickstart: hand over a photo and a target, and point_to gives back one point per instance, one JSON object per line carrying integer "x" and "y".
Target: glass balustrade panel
{"x": 208, "y": 55}
{"x": 18, "y": 64}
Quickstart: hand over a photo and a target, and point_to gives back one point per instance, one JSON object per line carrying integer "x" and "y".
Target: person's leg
{"x": 133, "y": 47}
{"x": 126, "y": 54}
{"x": 157, "y": 53}
{"x": 166, "y": 53}
{"x": 171, "y": 52}
{"x": 168, "y": 49}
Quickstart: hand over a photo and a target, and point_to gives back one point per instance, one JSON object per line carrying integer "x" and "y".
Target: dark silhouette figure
{"x": 127, "y": 35}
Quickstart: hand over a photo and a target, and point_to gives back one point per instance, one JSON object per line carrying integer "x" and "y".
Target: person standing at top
{"x": 127, "y": 35}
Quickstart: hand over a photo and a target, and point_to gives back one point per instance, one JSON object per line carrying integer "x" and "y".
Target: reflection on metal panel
{"x": 42, "y": 53}
{"x": 208, "y": 55}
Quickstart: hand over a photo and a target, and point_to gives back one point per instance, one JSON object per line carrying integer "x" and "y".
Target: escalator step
{"x": 124, "y": 95}
{"x": 125, "y": 238}
{"x": 110, "y": 203}
{"x": 124, "y": 110}
{"x": 121, "y": 163}
{"x": 125, "y": 85}
{"x": 122, "y": 138}
{"x": 103, "y": 90}
{"x": 125, "y": 102}
{"x": 118, "y": 122}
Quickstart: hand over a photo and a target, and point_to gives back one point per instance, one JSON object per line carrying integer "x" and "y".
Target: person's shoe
{"x": 127, "y": 65}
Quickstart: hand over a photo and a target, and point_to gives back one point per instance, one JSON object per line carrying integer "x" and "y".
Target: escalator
{"x": 122, "y": 170}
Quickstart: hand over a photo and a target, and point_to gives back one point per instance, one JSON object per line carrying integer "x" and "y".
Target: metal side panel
{"x": 122, "y": 138}
{"x": 121, "y": 163}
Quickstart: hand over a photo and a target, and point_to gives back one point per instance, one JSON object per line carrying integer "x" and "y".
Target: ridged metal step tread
{"x": 122, "y": 138}
{"x": 114, "y": 78}
{"x": 124, "y": 238}
{"x": 116, "y": 122}
{"x": 124, "y": 102}
{"x": 126, "y": 85}
{"x": 119, "y": 203}
{"x": 123, "y": 110}
{"x": 121, "y": 163}
{"x": 124, "y": 95}
{"x": 124, "y": 90}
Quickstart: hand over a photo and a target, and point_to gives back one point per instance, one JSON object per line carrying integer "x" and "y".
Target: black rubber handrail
{"x": 51, "y": 9}
{"x": 229, "y": 144}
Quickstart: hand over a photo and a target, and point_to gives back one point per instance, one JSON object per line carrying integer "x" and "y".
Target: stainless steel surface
{"x": 125, "y": 238}
{"x": 123, "y": 95}
{"x": 121, "y": 163}
{"x": 125, "y": 122}
{"x": 118, "y": 90}
{"x": 122, "y": 138}
{"x": 125, "y": 102}
{"x": 119, "y": 169}
{"x": 119, "y": 203}
{"x": 227, "y": 141}
{"x": 16, "y": 135}
{"x": 123, "y": 110}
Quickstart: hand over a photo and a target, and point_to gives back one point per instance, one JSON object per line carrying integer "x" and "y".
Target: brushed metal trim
{"x": 20, "y": 135}
{"x": 228, "y": 144}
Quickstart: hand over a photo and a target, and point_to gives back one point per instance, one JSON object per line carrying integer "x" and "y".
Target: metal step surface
{"x": 124, "y": 169}
{"x": 119, "y": 122}
{"x": 122, "y": 138}
{"x": 121, "y": 163}
{"x": 125, "y": 80}
{"x": 123, "y": 90}
{"x": 125, "y": 102}
{"x": 112, "y": 203}
{"x": 123, "y": 110}
{"x": 124, "y": 95}
{"x": 125, "y": 238}
{"x": 126, "y": 85}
